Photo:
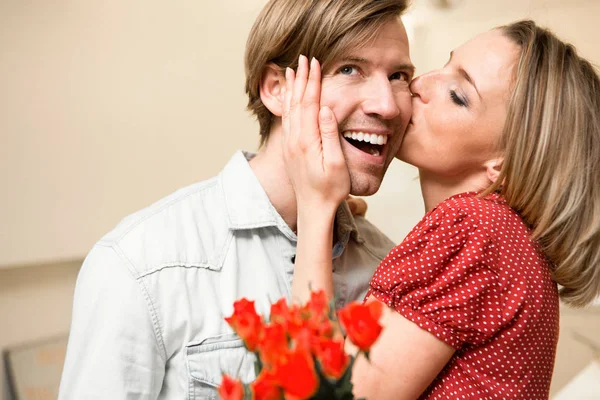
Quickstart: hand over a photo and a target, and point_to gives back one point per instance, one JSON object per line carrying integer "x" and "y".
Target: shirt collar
{"x": 248, "y": 205}
{"x": 345, "y": 225}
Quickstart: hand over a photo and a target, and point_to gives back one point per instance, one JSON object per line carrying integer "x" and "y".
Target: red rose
{"x": 312, "y": 317}
{"x": 280, "y": 312}
{"x": 290, "y": 318}
{"x": 297, "y": 375}
{"x": 361, "y": 322}
{"x": 318, "y": 305}
{"x": 316, "y": 315}
{"x": 324, "y": 329}
{"x": 231, "y": 389}
{"x": 265, "y": 387}
{"x": 297, "y": 320}
{"x": 273, "y": 345}
{"x": 305, "y": 340}
{"x": 332, "y": 357}
{"x": 246, "y": 323}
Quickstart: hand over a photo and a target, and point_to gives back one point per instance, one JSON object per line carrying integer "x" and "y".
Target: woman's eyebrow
{"x": 466, "y": 75}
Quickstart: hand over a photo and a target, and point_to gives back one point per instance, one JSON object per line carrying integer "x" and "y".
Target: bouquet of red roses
{"x": 300, "y": 351}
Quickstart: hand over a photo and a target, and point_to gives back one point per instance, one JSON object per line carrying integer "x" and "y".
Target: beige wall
{"x": 107, "y": 106}
{"x": 435, "y": 32}
{"x": 35, "y": 304}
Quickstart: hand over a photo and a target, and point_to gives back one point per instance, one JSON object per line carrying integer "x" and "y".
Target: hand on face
{"x": 311, "y": 143}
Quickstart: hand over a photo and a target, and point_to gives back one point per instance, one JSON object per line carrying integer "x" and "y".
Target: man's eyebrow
{"x": 466, "y": 75}
{"x": 360, "y": 60}
{"x": 353, "y": 59}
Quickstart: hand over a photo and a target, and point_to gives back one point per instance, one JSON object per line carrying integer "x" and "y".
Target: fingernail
{"x": 326, "y": 114}
{"x": 287, "y": 72}
{"x": 313, "y": 63}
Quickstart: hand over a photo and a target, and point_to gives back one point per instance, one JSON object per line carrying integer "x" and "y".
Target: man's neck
{"x": 269, "y": 167}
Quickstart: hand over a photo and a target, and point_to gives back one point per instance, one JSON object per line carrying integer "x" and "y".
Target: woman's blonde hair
{"x": 551, "y": 146}
{"x": 324, "y": 29}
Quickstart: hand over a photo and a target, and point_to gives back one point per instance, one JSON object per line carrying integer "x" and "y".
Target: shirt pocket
{"x": 214, "y": 356}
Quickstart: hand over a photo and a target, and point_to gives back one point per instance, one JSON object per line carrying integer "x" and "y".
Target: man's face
{"x": 368, "y": 91}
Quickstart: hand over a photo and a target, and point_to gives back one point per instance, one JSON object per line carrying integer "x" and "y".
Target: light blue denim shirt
{"x": 152, "y": 294}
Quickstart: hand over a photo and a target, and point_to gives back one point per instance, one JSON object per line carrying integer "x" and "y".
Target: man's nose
{"x": 380, "y": 100}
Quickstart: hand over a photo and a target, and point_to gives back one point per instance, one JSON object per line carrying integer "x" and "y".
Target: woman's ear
{"x": 493, "y": 168}
{"x": 271, "y": 88}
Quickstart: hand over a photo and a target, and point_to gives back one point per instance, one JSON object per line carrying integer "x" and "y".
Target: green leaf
{"x": 247, "y": 392}
{"x": 366, "y": 353}
{"x": 258, "y": 366}
{"x": 344, "y": 384}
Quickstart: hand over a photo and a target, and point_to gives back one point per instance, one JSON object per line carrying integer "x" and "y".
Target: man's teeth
{"x": 374, "y": 151}
{"x": 367, "y": 137}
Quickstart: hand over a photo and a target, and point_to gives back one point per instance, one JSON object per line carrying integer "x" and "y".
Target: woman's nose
{"x": 421, "y": 86}
{"x": 415, "y": 86}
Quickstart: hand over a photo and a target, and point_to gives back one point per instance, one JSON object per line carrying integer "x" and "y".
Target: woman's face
{"x": 459, "y": 110}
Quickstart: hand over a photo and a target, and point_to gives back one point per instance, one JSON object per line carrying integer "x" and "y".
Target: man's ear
{"x": 271, "y": 88}
{"x": 493, "y": 168}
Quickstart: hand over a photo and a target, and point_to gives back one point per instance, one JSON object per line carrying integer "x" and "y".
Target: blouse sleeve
{"x": 440, "y": 278}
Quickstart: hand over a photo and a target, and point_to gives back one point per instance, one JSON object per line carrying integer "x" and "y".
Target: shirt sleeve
{"x": 441, "y": 278}
{"x": 113, "y": 350}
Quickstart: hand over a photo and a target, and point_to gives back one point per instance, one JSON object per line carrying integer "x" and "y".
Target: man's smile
{"x": 370, "y": 143}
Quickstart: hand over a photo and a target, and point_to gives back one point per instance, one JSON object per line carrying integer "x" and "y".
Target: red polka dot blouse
{"x": 469, "y": 274}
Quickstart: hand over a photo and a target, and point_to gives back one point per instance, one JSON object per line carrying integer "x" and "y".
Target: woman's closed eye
{"x": 458, "y": 100}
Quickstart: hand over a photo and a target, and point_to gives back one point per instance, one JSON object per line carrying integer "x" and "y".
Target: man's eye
{"x": 348, "y": 70}
{"x": 403, "y": 76}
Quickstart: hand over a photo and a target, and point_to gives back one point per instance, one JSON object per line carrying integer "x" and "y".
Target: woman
{"x": 506, "y": 137}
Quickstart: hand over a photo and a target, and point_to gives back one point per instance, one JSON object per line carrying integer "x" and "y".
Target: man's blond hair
{"x": 324, "y": 29}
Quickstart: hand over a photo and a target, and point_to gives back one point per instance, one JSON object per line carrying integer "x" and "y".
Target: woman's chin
{"x": 398, "y": 156}
{"x": 403, "y": 153}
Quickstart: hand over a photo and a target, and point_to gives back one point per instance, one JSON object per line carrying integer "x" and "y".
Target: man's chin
{"x": 364, "y": 186}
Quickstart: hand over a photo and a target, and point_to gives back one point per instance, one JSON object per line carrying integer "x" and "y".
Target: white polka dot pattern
{"x": 469, "y": 274}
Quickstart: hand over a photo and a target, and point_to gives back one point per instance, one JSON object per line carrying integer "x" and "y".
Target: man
{"x": 152, "y": 294}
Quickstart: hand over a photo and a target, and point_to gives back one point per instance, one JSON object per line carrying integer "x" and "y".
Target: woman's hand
{"x": 311, "y": 143}
{"x": 318, "y": 172}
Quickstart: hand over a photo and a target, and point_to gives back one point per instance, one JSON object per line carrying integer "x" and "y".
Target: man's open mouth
{"x": 370, "y": 143}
